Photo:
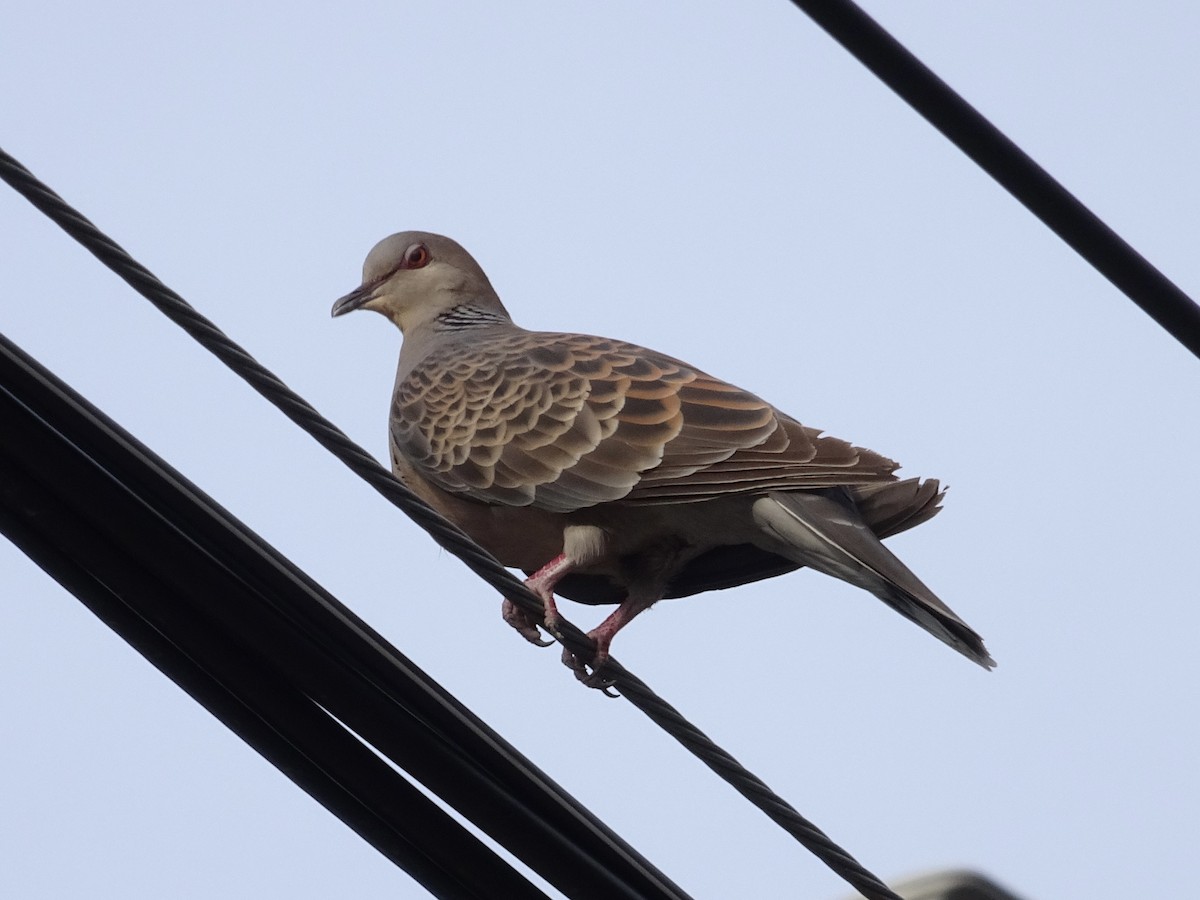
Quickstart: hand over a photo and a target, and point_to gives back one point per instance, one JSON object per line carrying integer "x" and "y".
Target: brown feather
{"x": 566, "y": 421}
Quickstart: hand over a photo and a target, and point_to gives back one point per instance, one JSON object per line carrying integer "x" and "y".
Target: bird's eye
{"x": 416, "y": 257}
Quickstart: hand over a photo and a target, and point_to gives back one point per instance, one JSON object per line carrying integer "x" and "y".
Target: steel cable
{"x": 445, "y": 533}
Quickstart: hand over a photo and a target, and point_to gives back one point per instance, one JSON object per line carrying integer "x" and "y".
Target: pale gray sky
{"x": 717, "y": 180}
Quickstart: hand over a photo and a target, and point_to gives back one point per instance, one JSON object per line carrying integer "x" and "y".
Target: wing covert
{"x": 567, "y": 421}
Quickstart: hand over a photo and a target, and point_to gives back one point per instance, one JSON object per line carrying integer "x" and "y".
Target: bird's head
{"x": 415, "y": 277}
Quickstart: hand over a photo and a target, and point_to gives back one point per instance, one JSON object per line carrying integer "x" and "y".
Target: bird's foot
{"x": 525, "y": 624}
{"x": 542, "y": 584}
{"x": 603, "y": 635}
{"x": 551, "y": 621}
{"x": 595, "y": 678}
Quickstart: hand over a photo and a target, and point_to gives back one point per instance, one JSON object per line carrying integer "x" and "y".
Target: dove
{"x": 610, "y": 473}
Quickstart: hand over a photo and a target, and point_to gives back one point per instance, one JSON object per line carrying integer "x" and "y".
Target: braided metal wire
{"x": 440, "y": 529}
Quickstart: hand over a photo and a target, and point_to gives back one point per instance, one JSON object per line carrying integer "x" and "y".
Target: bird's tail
{"x": 825, "y": 530}
{"x": 891, "y": 507}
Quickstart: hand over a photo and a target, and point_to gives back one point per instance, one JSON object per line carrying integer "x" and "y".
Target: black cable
{"x": 47, "y": 518}
{"x": 283, "y": 653}
{"x": 1014, "y": 169}
{"x": 445, "y": 533}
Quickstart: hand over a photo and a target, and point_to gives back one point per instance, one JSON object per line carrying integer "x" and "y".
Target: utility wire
{"x": 918, "y": 86}
{"x": 1014, "y": 169}
{"x": 444, "y": 532}
{"x": 252, "y": 699}
{"x": 282, "y": 663}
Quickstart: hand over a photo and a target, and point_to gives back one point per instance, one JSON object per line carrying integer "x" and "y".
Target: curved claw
{"x": 601, "y": 683}
{"x": 594, "y": 678}
{"x": 524, "y": 623}
{"x": 551, "y": 622}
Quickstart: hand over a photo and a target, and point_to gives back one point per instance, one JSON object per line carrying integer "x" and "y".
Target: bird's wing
{"x": 567, "y": 421}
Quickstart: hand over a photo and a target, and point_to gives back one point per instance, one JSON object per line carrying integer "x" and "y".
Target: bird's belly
{"x": 690, "y": 547}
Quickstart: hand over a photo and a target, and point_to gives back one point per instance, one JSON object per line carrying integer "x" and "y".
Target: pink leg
{"x": 542, "y": 583}
{"x": 545, "y": 580}
{"x": 603, "y": 634}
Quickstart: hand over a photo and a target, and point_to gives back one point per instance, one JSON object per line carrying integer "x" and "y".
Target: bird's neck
{"x": 461, "y": 323}
{"x": 468, "y": 316}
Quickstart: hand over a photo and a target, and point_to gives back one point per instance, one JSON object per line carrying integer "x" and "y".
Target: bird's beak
{"x": 361, "y": 295}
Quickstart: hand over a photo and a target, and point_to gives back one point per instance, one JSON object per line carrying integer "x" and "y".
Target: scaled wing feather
{"x": 565, "y": 421}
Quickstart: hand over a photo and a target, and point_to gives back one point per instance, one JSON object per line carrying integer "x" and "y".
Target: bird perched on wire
{"x": 611, "y": 473}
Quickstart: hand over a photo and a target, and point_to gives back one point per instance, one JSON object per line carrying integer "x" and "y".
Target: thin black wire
{"x": 1014, "y": 169}
{"x": 216, "y": 592}
{"x": 441, "y": 530}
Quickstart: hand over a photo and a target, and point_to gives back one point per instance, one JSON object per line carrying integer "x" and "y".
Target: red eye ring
{"x": 416, "y": 257}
